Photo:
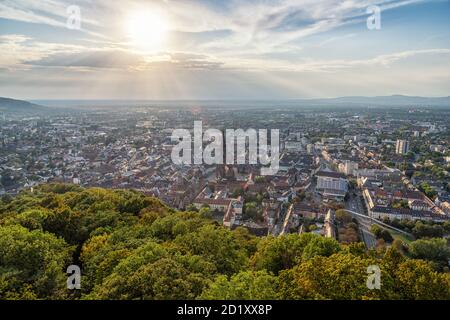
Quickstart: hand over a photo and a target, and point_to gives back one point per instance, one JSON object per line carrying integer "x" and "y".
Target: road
{"x": 278, "y": 227}
{"x": 368, "y": 238}
{"x": 354, "y": 204}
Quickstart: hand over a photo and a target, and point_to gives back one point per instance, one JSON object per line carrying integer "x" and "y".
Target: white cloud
{"x": 17, "y": 49}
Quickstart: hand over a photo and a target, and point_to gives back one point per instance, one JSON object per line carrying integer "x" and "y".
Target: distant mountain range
{"x": 20, "y": 106}
{"x": 397, "y": 100}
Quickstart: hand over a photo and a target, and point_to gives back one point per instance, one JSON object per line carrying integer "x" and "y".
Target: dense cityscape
{"x": 389, "y": 164}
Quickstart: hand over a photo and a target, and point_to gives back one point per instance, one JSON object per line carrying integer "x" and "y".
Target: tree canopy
{"x": 130, "y": 246}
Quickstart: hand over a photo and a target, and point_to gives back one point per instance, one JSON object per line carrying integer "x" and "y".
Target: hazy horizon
{"x": 395, "y": 100}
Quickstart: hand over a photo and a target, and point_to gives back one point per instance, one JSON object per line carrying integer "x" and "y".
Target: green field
{"x": 397, "y": 235}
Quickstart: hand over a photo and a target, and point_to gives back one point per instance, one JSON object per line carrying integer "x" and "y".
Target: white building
{"x": 332, "y": 185}
{"x": 402, "y": 147}
{"x": 348, "y": 167}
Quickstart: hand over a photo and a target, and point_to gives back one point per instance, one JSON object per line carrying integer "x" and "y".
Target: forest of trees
{"x": 130, "y": 246}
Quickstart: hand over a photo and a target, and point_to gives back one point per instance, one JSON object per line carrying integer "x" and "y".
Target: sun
{"x": 148, "y": 29}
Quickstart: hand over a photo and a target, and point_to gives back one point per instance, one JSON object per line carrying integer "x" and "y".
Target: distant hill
{"x": 39, "y": 106}
{"x": 351, "y": 101}
{"x": 395, "y": 100}
{"x": 12, "y": 105}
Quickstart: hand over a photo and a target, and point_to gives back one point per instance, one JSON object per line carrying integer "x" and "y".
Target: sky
{"x": 223, "y": 49}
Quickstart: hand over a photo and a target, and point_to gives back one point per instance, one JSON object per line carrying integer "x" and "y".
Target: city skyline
{"x": 223, "y": 50}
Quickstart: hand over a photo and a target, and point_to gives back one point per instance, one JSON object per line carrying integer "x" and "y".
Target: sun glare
{"x": 147, "y": 30}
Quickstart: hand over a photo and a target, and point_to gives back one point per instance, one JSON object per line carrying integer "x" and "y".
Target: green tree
{"x": 376, "y": 230}
{"x": 435, "y": 250}
{"x": 400, "y": 204}
{"x": 246, "y": 285}
{"x": 386, "y": 236}
{"x": 276, "y": 254}
{"x": 217, "y": 245}
{"x": 34, "y": 260}
{"x": 422, "y": 230}
{"x": 428, "y": 190}
{"x": 251, "y": 211}
{"x": 340, "y": 276}
{"x": 343, "y": 217}
{"x": 416, "y": 280}
{"x": 152, "y": 272}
